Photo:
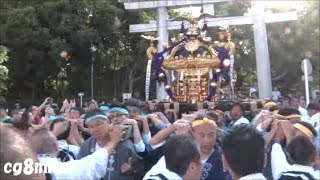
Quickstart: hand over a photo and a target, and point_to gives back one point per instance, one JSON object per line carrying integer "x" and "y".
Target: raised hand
{"x": 287, "y": 129}
{"x": 126, "y": 167}
{"x": 115, "y": 133}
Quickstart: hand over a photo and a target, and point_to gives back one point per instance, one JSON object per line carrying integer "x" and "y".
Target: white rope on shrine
{"x": 148, "y": 75}
{"x": 173, "y": 78}
{"x": 181, "y": 76}
{"x": 231, "y": 75}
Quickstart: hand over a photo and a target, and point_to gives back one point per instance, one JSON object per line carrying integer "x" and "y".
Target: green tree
{"x": 3, "y": 71}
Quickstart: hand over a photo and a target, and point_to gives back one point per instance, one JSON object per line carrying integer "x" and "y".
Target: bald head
{"x": 44, "y": 142}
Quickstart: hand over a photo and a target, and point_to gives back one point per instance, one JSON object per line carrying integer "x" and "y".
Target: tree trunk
{"x": 114, "y": 75}
{"x": 130, "y": 80}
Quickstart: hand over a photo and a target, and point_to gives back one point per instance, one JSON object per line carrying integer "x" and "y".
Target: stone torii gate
{"x": 257, "y": 17}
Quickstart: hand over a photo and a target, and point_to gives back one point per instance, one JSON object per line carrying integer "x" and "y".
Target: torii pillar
{"x": 162, "y": 17}
{"x": 261, "y": 50}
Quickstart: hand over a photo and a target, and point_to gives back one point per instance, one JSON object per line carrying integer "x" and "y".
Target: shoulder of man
{"x": 126, "y": 144}
{"x": 85, "y": 148}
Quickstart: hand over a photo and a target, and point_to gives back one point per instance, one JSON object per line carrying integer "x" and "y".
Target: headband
{"x": 293, "y": 116}
{"x": 203, "y": 121}
{"x": 268, "y": 105}
{"x": 303, "y": 129}
{"x": 119, "y": 109}
{"x": 219, "y": 111}
{"x": 95, "y": 117}
{"x": 105, "y": 108}
{"x": 55, "y": 118}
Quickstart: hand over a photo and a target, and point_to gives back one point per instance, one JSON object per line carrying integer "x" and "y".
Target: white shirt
{"x": 279, "y": 164}
{"x": 303, "y": 111}
{"x": 64, "y": 145}
{"x": 254, "y": 176}
{"x": 160, "y": 167}
{"x": 242, "y": 120}
{"x": 315, "y": 120}
{"x": 93, "y": 166}
{"x": 146, "y": 137}
{"x": 140, "y": 147}
{"x": 252, "y": 90}
{"x": 276, "y": 95}
{"x": 306, "y": 119}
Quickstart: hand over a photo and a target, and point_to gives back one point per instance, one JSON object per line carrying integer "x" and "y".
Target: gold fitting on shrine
{"x": 226, "y": 62}
{"x": 161, "y": 75}
{"x": 213, "y": 84}
{"x": 167, "y": 87}
{"x": 218, "y": 70}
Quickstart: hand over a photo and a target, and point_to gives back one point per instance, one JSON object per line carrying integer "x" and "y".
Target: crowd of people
{"x": 144, "y": 140}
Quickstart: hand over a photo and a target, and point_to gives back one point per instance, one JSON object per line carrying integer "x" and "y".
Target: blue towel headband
{"x": 105, "y": 108}
{"x": 55, "y": 118}
{"x": 119, "y": 109}
{"x": 95, "y": 117}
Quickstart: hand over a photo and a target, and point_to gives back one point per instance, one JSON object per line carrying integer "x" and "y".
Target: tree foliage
{"x": 36, "y": 32}
{"x": 3, "y": 70}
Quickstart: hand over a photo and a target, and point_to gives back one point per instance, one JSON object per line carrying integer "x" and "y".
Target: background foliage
{"x": 34, "y": 33}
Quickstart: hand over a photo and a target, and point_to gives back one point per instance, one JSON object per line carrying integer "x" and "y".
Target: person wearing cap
{"x": 122, "y": 156}
{"x": 119, "y": 115}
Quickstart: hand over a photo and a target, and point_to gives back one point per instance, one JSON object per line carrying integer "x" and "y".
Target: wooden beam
{"x": 167, "y": 3}
{"x": 211, "y": 22}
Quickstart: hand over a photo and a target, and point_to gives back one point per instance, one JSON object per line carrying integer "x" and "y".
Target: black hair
{"x": 93, "y": 112}
{"x": 243, "y": 148}
{"x": 66, "y": 133}
{"x": 133, "y": 108}
{"x": 23, "y": 124}
{"x": 205, "y": 106}
{"x": 210, "y": 115}
{"x": 308, "y": 126}
{"x": 289, "y": 111}
{"x": 259, "y": 105}
{"x": 79, "y": 109}
{"x": 179, "y": 152}
{"x": 239, "y": 105}
{"x": 313, "y": 106}
{"x": 273, "y": 108}
{"x": 301, "y": 150}
{"x": 159, "y": 108}
{"x": 294, "y": 97}
{"x": 220, "y": 106}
